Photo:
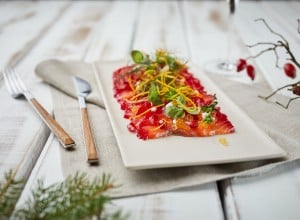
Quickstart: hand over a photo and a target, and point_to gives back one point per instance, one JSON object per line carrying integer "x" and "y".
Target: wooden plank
{"x": 273, "y": 195}
{"x": 159, "y": 25}
{"x": 192, "y": 203}
{"x": 22, "y": 25}
{"x": 112, "y": 38}
{"x": 286, "y": 15}
{"x": 210, "y": 42}
{"x": 207, "y": 31}
{"x": 48, "y": 162}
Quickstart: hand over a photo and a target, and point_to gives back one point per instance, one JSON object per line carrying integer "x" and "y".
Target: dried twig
{"x": 283, "y": 43}
{"x": 287, "y": 105}
{"x": 290, "y": 87}
{"x": 275, "y": 46}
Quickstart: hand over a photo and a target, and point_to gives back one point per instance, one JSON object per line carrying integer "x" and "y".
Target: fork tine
{"x": 8, "y": 86}
{"x": 15, "y": 80}
{"x": 13, "y": 90}
{"x": 18, "y": 83}
{"x": 18, "y": 80}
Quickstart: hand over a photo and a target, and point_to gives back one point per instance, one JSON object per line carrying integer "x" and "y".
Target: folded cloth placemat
{"x": 280, "y": 124}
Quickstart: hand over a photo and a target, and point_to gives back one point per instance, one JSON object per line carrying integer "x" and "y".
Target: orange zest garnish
{"x": 145, "y": 112}
{"x": 223, "y": 141}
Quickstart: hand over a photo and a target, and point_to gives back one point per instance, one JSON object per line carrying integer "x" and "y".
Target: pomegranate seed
{"x": 251, "y": 71}
{"x": 241, "y": 65}
{"x": 154, "y": 120}
{"x": 123, "y": 105}
{"x": 290, "y": 70}
{"x": 131, "y": 127}
{"x": 193, "y": 124}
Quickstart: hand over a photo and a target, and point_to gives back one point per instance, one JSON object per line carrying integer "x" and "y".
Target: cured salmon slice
{"x": 160, "y": 97}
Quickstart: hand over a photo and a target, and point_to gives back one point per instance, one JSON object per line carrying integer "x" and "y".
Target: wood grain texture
{"x": 56, "y": 128}
{"x": 158, "y": 28}
{"x": 91, "y": 150}
{"x": 206, "y": 30}
{"x": 16, "y": 38}
{"x": 200, "y": 202}
{"x": 273, "y": 195}
{"x": 113, "y": 36}
{"x": 109, "y": 30}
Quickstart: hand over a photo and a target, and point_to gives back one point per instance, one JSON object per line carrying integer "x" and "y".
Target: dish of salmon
{"x": 161, "y": 97}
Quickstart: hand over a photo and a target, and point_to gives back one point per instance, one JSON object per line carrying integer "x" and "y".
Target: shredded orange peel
{"x": 167, "y": 80}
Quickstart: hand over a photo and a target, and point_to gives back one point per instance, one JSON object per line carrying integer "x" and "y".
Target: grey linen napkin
{"x": 280, "y": 124}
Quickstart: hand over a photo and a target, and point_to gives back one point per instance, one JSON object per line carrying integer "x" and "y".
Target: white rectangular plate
{"x": 247, "y": 143}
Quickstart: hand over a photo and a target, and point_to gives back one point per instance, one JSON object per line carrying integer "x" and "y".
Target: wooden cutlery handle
{"x": 60, "y": 133}
{"x": 91, "y": 151}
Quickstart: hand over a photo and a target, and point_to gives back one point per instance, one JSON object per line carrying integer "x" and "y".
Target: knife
{"x": 83, "y": 89}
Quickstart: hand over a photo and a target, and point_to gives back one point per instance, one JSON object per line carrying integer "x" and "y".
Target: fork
{"x": 17, "y": 89}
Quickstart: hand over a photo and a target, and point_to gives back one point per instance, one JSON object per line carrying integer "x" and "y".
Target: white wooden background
{"x": 34, "y": 31}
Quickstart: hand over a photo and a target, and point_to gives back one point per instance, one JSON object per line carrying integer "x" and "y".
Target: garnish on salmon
{"x": 160, "y": 97}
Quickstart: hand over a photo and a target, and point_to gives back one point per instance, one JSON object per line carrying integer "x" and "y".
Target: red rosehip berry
{"x": 241, "y": 65}
{"x": 251, "y": 71}
{"x": 296, "y": 89}
{"x": 290, "y": 70}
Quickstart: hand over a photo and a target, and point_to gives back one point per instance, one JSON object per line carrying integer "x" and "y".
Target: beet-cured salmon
{"x": 160, "y": 97}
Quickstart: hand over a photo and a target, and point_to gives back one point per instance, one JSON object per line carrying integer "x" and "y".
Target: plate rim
{"x": 133, "y": 165}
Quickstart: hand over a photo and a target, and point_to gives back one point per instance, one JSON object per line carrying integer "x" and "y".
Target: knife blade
{"x": 83, "y": 89}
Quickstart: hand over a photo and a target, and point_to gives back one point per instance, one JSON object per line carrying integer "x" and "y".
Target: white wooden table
{"x": 34, "y": 31}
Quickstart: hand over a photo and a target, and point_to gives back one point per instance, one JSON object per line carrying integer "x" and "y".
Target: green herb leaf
{"x": 169, "y": 95}
{"x": 150, "y": 67}
{"x": 208, "y": 119}
{"x": 180, "y": 100}
{"x": 209, "y": 108}
{"x": 153, "y": 95}
{"x": 191, "y": 110}
{"x": 140, "y": 58}
{"x": 171, "y": 62}
{"x": 174, "y": 112}
{"x": 137, "y": 56}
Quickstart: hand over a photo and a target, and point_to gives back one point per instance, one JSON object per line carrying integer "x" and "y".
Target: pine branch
{"x": 75, "y": 198}
{"x": 10, "y": 191}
